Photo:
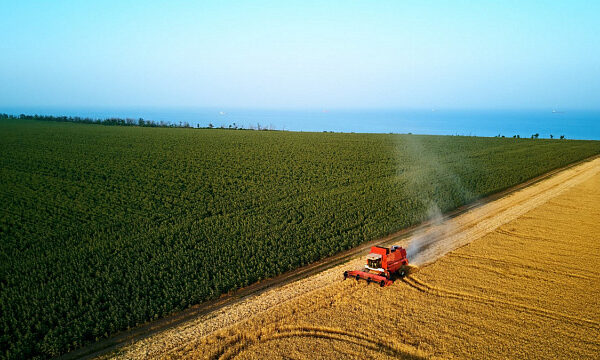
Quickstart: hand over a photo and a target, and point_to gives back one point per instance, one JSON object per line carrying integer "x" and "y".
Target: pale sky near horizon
{"x": 301, "y": 54}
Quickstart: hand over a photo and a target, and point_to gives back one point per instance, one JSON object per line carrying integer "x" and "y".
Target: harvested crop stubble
{"x": 530, "y": 289}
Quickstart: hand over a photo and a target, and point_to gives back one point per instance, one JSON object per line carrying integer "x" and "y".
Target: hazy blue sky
{"x": 318, "y": 54}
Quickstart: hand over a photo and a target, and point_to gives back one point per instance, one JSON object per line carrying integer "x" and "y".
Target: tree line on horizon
{"x": 86, "y": 120}
{"x": 141, "y": 122}
{"x": 533, "y": 136}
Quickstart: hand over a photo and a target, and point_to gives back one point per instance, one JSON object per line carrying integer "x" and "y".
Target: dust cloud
{"x": 432, "y": 177}
{"x": 439, "y": 229}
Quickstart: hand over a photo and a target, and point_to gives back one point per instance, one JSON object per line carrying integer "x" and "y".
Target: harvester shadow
{"x": 408, "y": 271}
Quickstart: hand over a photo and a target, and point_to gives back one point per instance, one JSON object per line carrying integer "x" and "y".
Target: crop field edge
{"x": 120, "y": 339}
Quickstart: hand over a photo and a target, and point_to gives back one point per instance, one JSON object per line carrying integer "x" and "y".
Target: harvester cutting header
{"x": 382, "y": 264}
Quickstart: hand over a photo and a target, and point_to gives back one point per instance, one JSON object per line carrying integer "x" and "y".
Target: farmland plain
{"x": 527, "y": 289}
{"x": 104, "y": 228}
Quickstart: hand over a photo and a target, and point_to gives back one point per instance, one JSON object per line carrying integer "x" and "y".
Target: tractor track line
{"x": 232, "y": 341}
{"x": 426, "y": 288}
{"x": 141, "y": 332}
{"x": 237, "y": 345}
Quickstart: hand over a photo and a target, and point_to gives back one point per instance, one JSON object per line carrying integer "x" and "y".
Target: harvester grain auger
{"x": 382, "y": 265}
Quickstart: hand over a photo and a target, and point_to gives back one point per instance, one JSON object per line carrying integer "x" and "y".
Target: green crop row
{"x": 104, "y": 228}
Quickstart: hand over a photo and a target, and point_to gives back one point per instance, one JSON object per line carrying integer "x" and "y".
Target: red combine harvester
{"x": 382, "y": 264}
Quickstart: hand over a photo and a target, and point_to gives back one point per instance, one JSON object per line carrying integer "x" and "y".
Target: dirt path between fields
{"x": 437, "y": 239}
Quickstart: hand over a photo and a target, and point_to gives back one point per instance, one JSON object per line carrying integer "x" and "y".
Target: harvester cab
{"x": 382, "y": 265}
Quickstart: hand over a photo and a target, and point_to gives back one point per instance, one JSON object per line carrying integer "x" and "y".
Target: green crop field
{"x": 106, "y": 227}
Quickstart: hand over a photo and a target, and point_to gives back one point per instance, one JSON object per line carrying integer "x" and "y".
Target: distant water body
{"x": 574, "y": 124}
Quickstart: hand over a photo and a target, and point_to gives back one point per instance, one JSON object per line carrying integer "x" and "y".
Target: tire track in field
{"x": 438, "y": 291}
{"x": 237, "y": 343}
{"x": 240, "y": 343}
{"x": 539, "y": 239}
{"x": 573, "y": 271}
{"x": 514, "y": 276}
{"x": 511, "y": 273}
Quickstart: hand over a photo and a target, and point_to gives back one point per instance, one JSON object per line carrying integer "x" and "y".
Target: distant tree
{"x": 536, "y": 135}
{"x": 551, "y": 136}
{"x": 514, "y": 136}
{"x": 562, "y": 137}
{"x": 518, "y": 136}
{"x": 210, "y": 126}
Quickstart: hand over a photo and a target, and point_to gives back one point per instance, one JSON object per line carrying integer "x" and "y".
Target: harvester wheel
{"x": 345, "y": 275}
{"x": 357, "y": 277}
{"x": 382, "y": 283}
{"x": 402, "y": 273}
{"x": 368, "y": 281}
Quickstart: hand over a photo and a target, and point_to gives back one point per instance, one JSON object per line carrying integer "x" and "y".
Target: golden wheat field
{"x": 529, "y": 289}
